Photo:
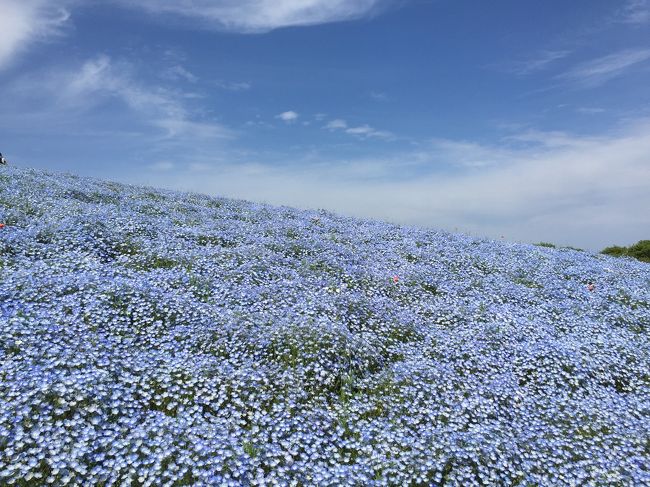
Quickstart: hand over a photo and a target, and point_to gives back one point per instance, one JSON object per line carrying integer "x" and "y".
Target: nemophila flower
{"x": 206, "y": 341}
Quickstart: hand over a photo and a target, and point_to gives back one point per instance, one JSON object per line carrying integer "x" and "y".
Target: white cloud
{"x": 162, "y": 166}
{"x": 548, "y": 139}
{"x": 288, "y": 117}
{"x": 580, "y": 192}
{"x": 466, "y": 154}
{"x": 233, "y": 86}
{"x": 84, "y": 94}
{"x": 591, "y": 110}
{"x": 336, "y": 124}
{"x": 600, "y": 70}
{"x": 180, "y": 126}
{"x": 362, "y": 131}
{"x": 539, "y": 63}
{"x": 162, "y": 108}
{"x": 365, "y": 131}
{"x": 260, "y": 15}
{"x": 378, "y": 95}
{"x": 178, "y": 72}
{"x": 23, "y": 22}
{"x": 636, "y": 12}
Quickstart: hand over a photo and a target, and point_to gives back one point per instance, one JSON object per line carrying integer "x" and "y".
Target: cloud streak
{"x": 540, "y": 63}
{"x": 233, "y": 85}
{"x": 636, "y": 12}
{"x": 102, "y": 78}
{"x": 257, "y": 16}
{"x": 362, "y": 131}
{"x": 603, "y": 69}
{"x": 104, "y": 96}
{"x": 23, "y": 22}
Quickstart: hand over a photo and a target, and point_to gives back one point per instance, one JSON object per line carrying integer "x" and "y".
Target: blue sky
{"x": 527, "y": 120}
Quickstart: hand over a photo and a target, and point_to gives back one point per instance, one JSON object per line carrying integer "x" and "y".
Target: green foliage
{"x": 528, "y": 283}
{"x": 577, "y": 249}
{"x": 161, "y": 262}
{"x": 640, "y": 251}
{"x": 206, "y": 240}
{"x": 614, "y": 250}
{"x": 430, "y": 288}
{"x": 250, "y": 449}
{"x": 553, "y": 246}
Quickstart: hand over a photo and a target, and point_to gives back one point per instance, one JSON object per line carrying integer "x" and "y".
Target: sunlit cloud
{"x": 23, "y": 22}
{"x": 361, "y": 131}
{"x": 253, "y": 16}
{"x": 288, "y": 116}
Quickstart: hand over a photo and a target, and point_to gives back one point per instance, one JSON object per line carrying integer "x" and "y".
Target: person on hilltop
{"x": 3, "y": 161}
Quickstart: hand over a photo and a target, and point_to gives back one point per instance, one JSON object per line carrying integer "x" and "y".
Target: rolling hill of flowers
{"x": 151, "y": 337}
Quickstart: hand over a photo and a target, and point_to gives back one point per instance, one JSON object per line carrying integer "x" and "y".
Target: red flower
{"x": 395, "y": 278}
{"x": 2, "y": 225}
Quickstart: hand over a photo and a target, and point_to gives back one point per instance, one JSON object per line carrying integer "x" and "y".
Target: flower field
{"x": 151, "y": 337}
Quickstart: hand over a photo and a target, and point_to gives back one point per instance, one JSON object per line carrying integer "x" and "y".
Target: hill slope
{"x": 171, "y": 337}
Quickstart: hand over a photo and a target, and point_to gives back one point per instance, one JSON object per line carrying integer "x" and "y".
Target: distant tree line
{"x": 640, "y": 250}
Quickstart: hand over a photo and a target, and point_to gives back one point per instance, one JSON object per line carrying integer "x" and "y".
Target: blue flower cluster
{"x": 158, "y": 338}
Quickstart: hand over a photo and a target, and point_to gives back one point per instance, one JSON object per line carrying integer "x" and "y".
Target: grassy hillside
{"x": 168, "y": 338}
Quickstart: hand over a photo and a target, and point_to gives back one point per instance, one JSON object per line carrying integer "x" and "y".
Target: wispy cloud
{"x": 538, "y": 63}
{"x": 260, "y": 15}
{"x": 553, "y": 139}
{"x": 367, "y": 131}
{"x": 603, "y": 69}
{"x": 591, "y": 110}
{"x": 363, "y": 131}
{"x": 378, "y": 96}
{"x": 23, "y": 22}
{"x": 160, "y": 107}
{"x": 178, "y": 72}
{"x": 288, "y": 116}
{"x": 636, "y": 12}
{"x": 162, "y": 166}
{"x": 101, "y": 86}
{"x": 233, "y": 86}
{"x": 336, "y": 124}
{"x": 464, "y": 154}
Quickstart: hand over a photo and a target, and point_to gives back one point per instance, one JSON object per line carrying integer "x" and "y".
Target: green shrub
{"x": 640, "y": 251}
{"x": 545, "y": 244}
{"x": 614, "y": 250}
